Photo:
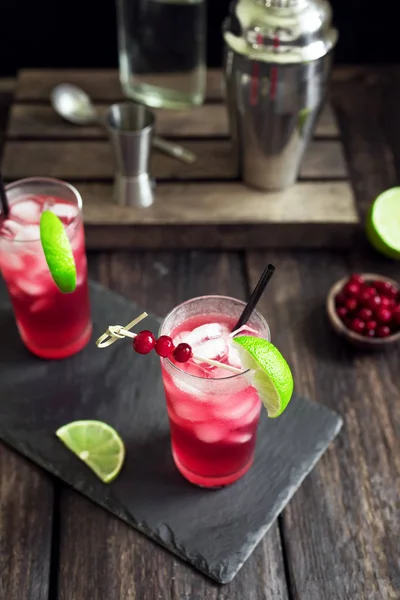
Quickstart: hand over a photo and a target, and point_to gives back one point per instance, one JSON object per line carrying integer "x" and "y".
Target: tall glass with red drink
{"x": 213, "y": 413}
{"x": 51, "y": 324}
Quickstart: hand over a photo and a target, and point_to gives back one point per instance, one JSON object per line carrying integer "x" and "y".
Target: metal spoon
{"x": 74, "y": 105}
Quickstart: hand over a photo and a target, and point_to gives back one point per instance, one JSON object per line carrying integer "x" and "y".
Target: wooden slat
{"x": 39, "y": 121}
{"x": 223, "y": 216}
{"x": 224, "y": 204}
{"x": 114, "y": 561}
{"x": 341, "y": 531}
{"x": 100, "y": 84}
{"x": 78, "y": 160}
{"x": 26, "y": 507}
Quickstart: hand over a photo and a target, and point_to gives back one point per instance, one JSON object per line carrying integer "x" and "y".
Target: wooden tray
{"x": 203, "y": 205}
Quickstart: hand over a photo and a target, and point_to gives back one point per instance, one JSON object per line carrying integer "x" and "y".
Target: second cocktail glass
{"x": 51, "y": 324}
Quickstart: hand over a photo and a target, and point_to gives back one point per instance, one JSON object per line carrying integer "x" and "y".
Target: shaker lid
{"x": 281, "y": 31}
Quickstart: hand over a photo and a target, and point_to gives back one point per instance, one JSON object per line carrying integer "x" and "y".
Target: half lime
{"x": 97, "y": 444}
{"x": 269, "y": 372}
{"x": 383, "y": 223}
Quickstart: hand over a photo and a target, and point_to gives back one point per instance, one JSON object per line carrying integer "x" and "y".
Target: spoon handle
{"x": 174, "y": 150}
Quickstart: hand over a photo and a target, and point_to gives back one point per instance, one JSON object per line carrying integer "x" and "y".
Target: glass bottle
{"x": 162, "y": 46}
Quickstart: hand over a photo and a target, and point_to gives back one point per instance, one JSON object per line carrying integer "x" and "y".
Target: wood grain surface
{"x": 339, "y": 537}
{"x": 86, "y": 160}
{"x": 40, "y": 121}
{"x": 189, "y": 198}
{"x": 26, "y": 510}
{"x": 255, "y": 220}
{"x": 129, "y": 566}
{"x": 100, "y": 84}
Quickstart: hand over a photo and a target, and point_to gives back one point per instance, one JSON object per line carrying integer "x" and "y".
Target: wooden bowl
{"x": 355, "y": 338}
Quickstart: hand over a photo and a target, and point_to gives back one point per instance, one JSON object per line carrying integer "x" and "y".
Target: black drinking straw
{"x": 255, "y": 296}
{"x": 5, "y": 209}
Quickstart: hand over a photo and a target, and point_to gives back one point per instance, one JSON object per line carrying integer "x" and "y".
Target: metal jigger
{"x": 130, "y": 127}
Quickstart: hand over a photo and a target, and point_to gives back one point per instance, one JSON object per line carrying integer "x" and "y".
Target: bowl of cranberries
{"x": 365, "y": 309}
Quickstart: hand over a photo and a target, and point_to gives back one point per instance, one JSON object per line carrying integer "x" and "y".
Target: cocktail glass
{"x": 51, "y": 324}
{"x": 213, "y": 413}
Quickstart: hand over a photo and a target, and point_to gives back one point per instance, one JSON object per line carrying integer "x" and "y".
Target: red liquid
{"x": 51, "y": 324}
{"x": 213, "y": 422}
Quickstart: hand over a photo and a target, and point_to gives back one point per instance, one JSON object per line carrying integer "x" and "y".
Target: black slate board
{"x": 215, "y": 531}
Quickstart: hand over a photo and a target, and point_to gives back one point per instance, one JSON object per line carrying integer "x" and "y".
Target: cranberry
{"x": 387, "y": 302}
{"x": 340, "y": 299}
{"x": 383, "y": 315}
{"x": 385, "y": 288}
{"x": 374, "y": 302}
{"x": 357, "y": 278}
{"x": 144, "y": 342}
{"x": 396, "y": 314}
{"x": 164, "y": 346}
{"x": 366, "y": 294}
{"x": 351, "y": 304}
{"x": 357, "y": 325}
{"x": 383, "y": 331}
{"x": 370, "y": 325}
{"x": 365, "y": 314}
{"x": 342, "y": 312}
{"x": 370, "y": 333}
{"x": 182, "y": 353}
{"x": 351, "y": 289}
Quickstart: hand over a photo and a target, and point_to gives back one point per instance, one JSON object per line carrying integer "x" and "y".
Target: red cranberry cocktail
{"x": 51, "y": 324}
{"x": 213, "y": 413}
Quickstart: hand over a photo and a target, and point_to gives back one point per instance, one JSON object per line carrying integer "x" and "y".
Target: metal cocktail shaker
{"x": 277, "y": 65}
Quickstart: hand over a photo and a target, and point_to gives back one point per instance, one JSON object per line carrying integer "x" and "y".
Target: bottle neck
{"x": 282, "y": 3}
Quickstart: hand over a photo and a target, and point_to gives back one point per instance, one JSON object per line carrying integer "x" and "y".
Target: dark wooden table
{"x": 339, "y": 538}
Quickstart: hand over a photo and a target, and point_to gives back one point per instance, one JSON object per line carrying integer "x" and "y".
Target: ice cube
{"x": 81, "y": 270}
{"x": 28, "y": 233}
{"x": 239, "y": 437}
{"x": 9, "y": 229}
{"x": 32, "y": 288}
{"x": 41, "y": 304}
{"x": 181, "y": 337}
{"x": 233, "y": 356}
{"x": 66, "y": 212}
{"x": 209, "y": 341}
{"x": 27, "y": 210}
{"x": 209, "y": 433}
{"x": 233, "y": 409}
{"x": 189, "y": 411}
{"x": 13, "y": 261}
{"x": 214, "y": 349}
{"x": 208, "y": 331}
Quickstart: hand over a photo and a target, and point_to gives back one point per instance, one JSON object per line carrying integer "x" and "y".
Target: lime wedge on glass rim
{"x": 97, "y": 444}
{"x": 58, "y": 252}
{"x": 270, "y": 373}
{"x": 383, "y": 223}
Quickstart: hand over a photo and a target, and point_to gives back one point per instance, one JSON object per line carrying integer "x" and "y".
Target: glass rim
{"x": 208, "y": 296}
{"x": 65, "y": 184}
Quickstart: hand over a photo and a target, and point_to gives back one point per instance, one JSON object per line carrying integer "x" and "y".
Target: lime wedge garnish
{"x": 383, "y": 223}
{"x": 97, "y": 444}
{"x": 58, "y": 252}
{"x": 270, "y": 373}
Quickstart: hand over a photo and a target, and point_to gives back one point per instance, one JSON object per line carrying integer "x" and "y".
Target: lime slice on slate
{"x": 97, "y": 444}
{"x": 271, "y": 375}
{"x": 58, "y": 252}
{"x": 383, "y": 223}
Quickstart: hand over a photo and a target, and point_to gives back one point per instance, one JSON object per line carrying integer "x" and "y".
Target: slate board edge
{"x": 222, "y": 572}
{"x": 291, "y": 492}
{"x": 122, "y": 513}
